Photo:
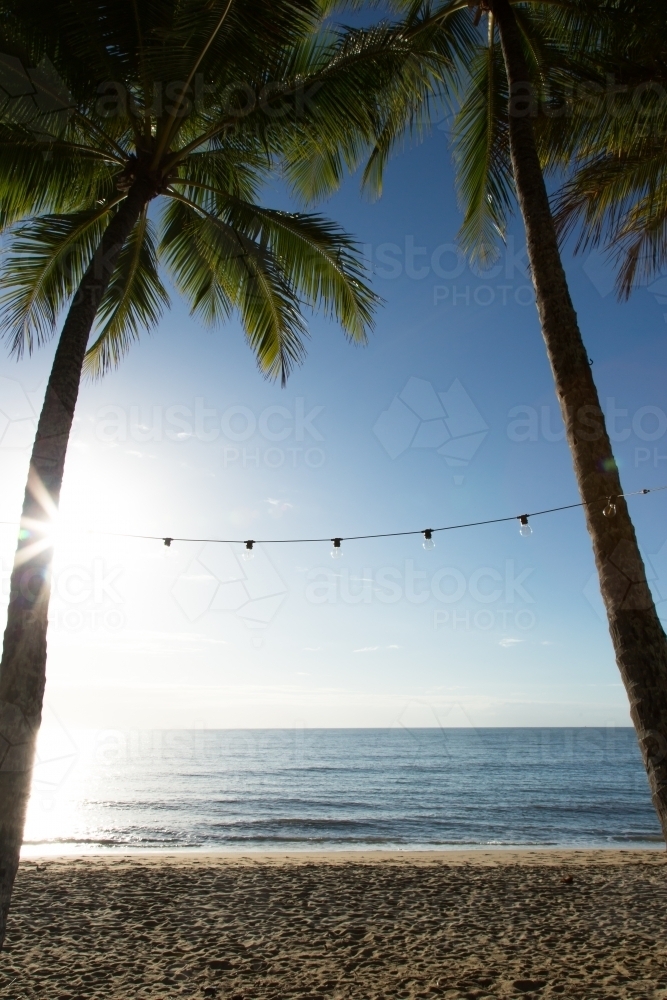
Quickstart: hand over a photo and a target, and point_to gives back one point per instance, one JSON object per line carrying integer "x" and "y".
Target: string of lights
{"x": 525, "y": 529}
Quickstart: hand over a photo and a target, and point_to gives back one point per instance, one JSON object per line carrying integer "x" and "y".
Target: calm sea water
{"x": 337, "y": 789}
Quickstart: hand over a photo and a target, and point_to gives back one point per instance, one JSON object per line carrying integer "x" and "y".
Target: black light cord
{"x": 337, "y": 539}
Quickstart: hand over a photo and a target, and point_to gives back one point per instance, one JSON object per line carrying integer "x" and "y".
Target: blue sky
{"x": 187, "y": 439}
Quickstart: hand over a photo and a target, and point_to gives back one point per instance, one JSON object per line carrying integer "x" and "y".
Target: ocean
{"x": 336, "y": 789}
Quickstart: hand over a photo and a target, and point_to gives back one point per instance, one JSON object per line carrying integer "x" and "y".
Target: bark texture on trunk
{"x": 23, "y": 665}
{"x": 639, "y": 640}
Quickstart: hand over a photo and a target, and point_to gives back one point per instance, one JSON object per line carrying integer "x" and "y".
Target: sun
{"x": 42, "y": 532}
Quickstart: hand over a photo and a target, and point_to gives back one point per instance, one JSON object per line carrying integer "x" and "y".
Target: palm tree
{"x": 522, "y": 53}
{"x": 145, "y": 142}
{"x": 618, "y": 188}
{"x": 639, "y": 640}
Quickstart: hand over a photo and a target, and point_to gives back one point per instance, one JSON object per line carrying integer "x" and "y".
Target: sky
{"x": 447, "y": 416}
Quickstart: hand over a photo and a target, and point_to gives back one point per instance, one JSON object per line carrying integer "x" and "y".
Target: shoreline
{"x": 337, "y": 855}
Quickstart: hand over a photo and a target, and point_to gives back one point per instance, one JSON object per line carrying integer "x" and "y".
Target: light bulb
{"x": 525, "y": 528}
{"x": 610, "y": 509}
{"x": 428, "y": 542}
{"x": 336, "y": 551}
{"x": 168, "y": 550}
{"x": 248, "y": 552}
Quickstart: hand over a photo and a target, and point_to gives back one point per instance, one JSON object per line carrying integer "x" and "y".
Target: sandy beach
{"x": 571, "y": 924}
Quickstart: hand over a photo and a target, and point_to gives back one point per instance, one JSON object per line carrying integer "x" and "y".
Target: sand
{"x": 568, "y": 924}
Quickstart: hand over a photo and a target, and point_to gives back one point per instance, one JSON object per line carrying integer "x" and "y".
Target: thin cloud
{"x": 278, "y": 507}
{"x": 374, "y": 649}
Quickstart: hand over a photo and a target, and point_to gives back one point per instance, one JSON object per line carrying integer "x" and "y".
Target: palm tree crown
{"x": 191, "y": 101}
{"x": 615, "y": 146}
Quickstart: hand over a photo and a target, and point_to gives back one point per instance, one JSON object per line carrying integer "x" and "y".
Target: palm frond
{"x": 385, "y": 77}
{"x": 134, "y": 301}
{"x": 225, "y": 252}
{"x": 481, "y": 154}
{"x": 190, "y": 267}
{"x": 56, "y": 178}
{"x": 615, "y": 153}
{"x": 640, "y": 243}
{"x": 249, "y": 275}
{"x": 45, "y": 261}
{"x": 318, "y": 259}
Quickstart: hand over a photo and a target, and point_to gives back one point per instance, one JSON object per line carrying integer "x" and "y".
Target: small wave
{"x": 360, "y": 788}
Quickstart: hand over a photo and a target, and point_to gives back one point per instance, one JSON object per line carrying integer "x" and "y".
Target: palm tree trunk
{"x": 23, "y": 665}
{"x": 639, "y": 641}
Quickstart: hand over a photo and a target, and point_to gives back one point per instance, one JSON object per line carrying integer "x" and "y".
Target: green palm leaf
{"x": 319, "y": 261}
{"x": 45, "y": 261}
{"x": 223, "y": 251}
{"x": 133, "y": 302}
{"x": 616, "y": 156}
{"x": 481, "y": 154}
{"x": 250, "y": 280}
{"x": 184, "y": 256}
